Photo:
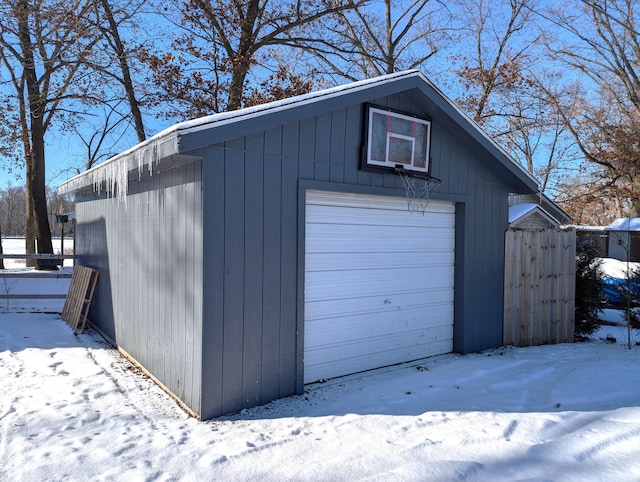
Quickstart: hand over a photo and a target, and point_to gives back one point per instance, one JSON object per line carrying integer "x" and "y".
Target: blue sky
{"x": 65, "y": 154}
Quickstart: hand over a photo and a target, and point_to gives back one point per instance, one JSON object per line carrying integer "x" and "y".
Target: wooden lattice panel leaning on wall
{"x": 78, "y": 301}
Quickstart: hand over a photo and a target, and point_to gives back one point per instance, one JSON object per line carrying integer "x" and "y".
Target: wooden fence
{"x": 539, "y": 290}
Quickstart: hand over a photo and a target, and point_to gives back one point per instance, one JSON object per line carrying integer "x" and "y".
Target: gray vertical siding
{"x": 149, "y": 253}
{"x": 214, "y": 238}
{"x": 481, "y": 221}
{"x": 250, "y": 331}
{"x": 270, "y": 294}
{"x": 290, "y": 355}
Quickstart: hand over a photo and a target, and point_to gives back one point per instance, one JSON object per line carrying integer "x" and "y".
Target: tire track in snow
{"x": 607, "y": 444}
{"x": 513, "y": 425}
{"x": 570, "y": 422}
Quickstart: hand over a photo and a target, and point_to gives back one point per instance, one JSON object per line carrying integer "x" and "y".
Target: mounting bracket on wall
{"x": 418, "y": 188}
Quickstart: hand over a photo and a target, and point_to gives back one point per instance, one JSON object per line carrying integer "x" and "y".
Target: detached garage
{"x": 245, "y": 254}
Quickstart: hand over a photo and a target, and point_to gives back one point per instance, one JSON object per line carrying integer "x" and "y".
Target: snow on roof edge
{"x": 586, "y": 227}
{"x": 518, "y": 211}
{"x": 624, "y": 224}
{"x": 113, "y": 173}
{"x": 148, "y": 151}
{"x": 110, "y": 174}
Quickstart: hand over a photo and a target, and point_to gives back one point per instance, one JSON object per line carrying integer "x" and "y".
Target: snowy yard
{"x": 21, "y": 285}
{"x": 17, "y": 246}
{"x": 72, "y": 409}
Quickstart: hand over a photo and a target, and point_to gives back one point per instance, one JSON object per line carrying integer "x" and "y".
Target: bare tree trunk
{"x": 390, "y": 48}
{"x": 242, "y": 60}
{"x": 236, "y": 89}
{"x": 118, "y": 46}
{"x": 37, "y": 219}
{"x": 39, "y": 199}
{"x": 1, "y": 252}
{"x": 30, "y": 225}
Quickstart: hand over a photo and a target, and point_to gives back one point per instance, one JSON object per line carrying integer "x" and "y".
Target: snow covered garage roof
{"x": 624, "y": 224}
{"x": 521, "y": 212}
{"x": 177, "y": 143}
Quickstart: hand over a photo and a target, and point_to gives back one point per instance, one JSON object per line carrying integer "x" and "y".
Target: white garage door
{"x": 378, "y": 282}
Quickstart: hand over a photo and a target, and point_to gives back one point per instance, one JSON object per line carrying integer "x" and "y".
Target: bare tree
{"x": 222, "y": 42}
{"x": 604, "y": 46}
{"x": 532, "y": 128}
{"x": 40, "y": 44}
{"x": 95, "y": 132}
{"x": 601, "y": 43}
{"x": 377, "y": 38}
{"x": 496, "y": 61}
{"x": 12, "y": 210}
{"x": 114, "y": 62}
{"x": 587, "y": 199}
{"x": 612, "y": 152}
{"x": 507, "y": 88}
{"x": 108, "y": 115}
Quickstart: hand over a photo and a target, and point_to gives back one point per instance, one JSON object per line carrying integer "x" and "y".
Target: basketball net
{"x": 418, "y": 190}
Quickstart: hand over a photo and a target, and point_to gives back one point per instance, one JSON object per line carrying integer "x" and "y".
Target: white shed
{"x": 624, "y": 239}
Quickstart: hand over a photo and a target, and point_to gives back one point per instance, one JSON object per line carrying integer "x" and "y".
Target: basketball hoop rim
{"x": 400, "y": 169}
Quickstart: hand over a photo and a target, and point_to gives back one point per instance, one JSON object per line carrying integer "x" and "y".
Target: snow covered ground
{"x": 72, "y": 409}
{"x": 614, "y": 268}
{"x": 20, "y": 285}
{"x": 17, "y": 246}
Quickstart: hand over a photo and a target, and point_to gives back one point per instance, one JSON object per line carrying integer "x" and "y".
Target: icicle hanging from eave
{"x": 112, "y": 176}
